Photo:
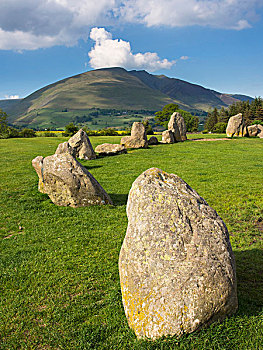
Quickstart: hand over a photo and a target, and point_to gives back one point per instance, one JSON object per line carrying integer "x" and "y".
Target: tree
{"x": 148, "y": 127}
{"x": 3, "y": 125}
{"x": 162, "y": 117}
{"x": 70, "y": 129}
{"x": 211, "y": 120}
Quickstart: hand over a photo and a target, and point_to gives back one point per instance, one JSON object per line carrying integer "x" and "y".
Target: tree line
{"x": 252, "y": 112}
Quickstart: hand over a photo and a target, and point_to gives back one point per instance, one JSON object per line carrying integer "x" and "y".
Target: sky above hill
{"x": 214, "y": 43}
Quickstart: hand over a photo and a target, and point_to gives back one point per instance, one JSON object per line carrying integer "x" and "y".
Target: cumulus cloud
{"x": 32, "y": 24}
{"x": 117, "y": 53}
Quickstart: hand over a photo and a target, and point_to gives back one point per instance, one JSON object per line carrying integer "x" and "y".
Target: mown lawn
{"x": 59, "y": 266}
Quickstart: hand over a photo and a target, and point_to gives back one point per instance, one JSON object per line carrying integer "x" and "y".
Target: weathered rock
{"x": 260, "y": 128}
{"x": 176, "y": 265}
{"x": 252, "y": 130}
{"x": 65, "y": 148}
{"x": 124, "y": 139}
{"x": 177, "y": 126}
{"x": 153, "y": 140}
{"x": 138, "y": 138}
{"x": 236, "y": 126}
{"x": 168, "y": 136}
{"x": 133, "y": 142}
{"x": 138, "y": 131}
{"x": 67, "y": 182}
{"x": 108, "y": 149}
{"x": 81, "y": 145}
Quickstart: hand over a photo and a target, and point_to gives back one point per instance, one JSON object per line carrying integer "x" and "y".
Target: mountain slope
{"x": 111, "y": 88}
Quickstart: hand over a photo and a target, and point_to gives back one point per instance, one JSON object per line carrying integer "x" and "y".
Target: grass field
{"x": 59, "y": 286}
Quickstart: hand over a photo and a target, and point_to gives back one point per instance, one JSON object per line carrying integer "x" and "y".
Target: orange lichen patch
{"x": 142, "y": 316}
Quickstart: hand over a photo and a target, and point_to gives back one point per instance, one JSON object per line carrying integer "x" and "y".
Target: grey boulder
{"x": 67, "y": 182}
{"x": 168, "y": 136}
{"x": 81, "y": 145}
{"x": 176, "y": 265}
{"x": 108, "y": 149}
{"x": 178, "y": 127}
{"x": 236, "y": 126}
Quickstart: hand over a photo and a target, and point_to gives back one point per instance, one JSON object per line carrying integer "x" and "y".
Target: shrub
{"x": 27, "y": 133}
{"x": 220, "y": 128}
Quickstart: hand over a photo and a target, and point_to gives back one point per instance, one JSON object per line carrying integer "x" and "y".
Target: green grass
{"x": 59, "y": 266}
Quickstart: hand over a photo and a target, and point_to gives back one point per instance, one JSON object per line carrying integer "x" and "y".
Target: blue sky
{"x": 214, "y": 43}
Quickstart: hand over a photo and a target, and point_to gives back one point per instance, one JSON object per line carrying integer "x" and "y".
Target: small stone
{"x": 67, "y": 182}
{"x": 108, "y": 149}
{"x": 168, "y": 136}
{"x": 153, "y": 141}
{"x": 252, "y": 130}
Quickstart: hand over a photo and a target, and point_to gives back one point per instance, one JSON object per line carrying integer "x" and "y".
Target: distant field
{"x": 59, "y": 266}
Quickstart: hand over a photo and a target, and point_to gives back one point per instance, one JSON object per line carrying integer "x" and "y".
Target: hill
{"x": 111, "y": 88}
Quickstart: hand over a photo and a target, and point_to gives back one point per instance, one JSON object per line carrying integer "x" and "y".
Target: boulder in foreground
{"x": 176, "y": 265}
{"x": 81, "y": 145}
{"x": 109, "y": 149}
{"x": 67, "y": 182}
{"x": 236, "y": 126}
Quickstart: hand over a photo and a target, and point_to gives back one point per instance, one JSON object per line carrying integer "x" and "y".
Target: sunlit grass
{"x": 59, "y": 265}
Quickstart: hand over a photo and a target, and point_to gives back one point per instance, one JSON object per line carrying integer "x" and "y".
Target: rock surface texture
{"x": 168, "y": 136}
{"x": 81, "y": 145}
{"x": 138, "y": 138}
{"x": 236, "y": 126}
{"x": 65, "y": 148}
{"x": 67, "y": 182}
{"x": 177, "y": 269}
{"x": 177, "y": 126}
{"x": 109, "y": 149}
{"x": 252, "y": 130}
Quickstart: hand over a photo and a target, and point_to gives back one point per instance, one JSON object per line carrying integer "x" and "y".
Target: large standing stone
{"x": 236, "y": 126}
{"x": 177, "y": 126}
{"x": 67, "y": 182}
{"x": 109, "y": 149}
{"x": 81, "y": 144}
{"x": 138, "y": 131}
{"x": 177, "y": 269}
{"x": 168, "y": 136}
{"x": 138, "y": 138}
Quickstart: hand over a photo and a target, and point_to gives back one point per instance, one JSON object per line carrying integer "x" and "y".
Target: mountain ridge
{"x": 114, "y": 88}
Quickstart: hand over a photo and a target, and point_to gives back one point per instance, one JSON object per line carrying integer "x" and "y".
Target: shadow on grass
{"x": 249, "y": 265}
{"x": 92, "y": 167}
{"x": 119, "y": 199}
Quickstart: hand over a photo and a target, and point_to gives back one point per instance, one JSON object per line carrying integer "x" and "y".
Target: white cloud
{"x": 227, "y": 14}
{"x": 117, "y": 53}
{"x": 32, "y": 24}
{"x": 12, "y": 97}
{"x": 184, "y": 58}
